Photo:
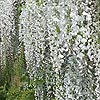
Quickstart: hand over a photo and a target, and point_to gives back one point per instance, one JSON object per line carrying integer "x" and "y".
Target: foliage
{"x": 22, "y": 92}
{"x": 2, "y": 93}
{"x": 18, "y": 94}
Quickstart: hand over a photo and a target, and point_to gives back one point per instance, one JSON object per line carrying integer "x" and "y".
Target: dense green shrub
{"x": 18, "y": 94}
{"x": 25, "y": 91}
{"x": 2, "y": 93}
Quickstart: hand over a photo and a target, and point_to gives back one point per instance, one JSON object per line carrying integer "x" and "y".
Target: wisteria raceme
{"x": 62, "y": 45}
{"x": 6, "y": 17}
{"x": 69, "y": 29}
{"x": 9, "y": 36}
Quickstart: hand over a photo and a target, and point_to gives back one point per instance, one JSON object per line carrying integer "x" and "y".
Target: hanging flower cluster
{"x": 6, "y": 23}
{"x": 63, "y": 34}
{"x": 61, "y": 39}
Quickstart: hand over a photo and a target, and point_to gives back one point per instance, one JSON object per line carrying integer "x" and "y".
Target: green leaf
{"x": 79, "y": 33}
{"x": 39, "y": 82}
{"x": 39, "y": 2}
{"x": 98, "y": 40}
{"x": 57, "y": 29}
{"x": 19, "y": 9}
